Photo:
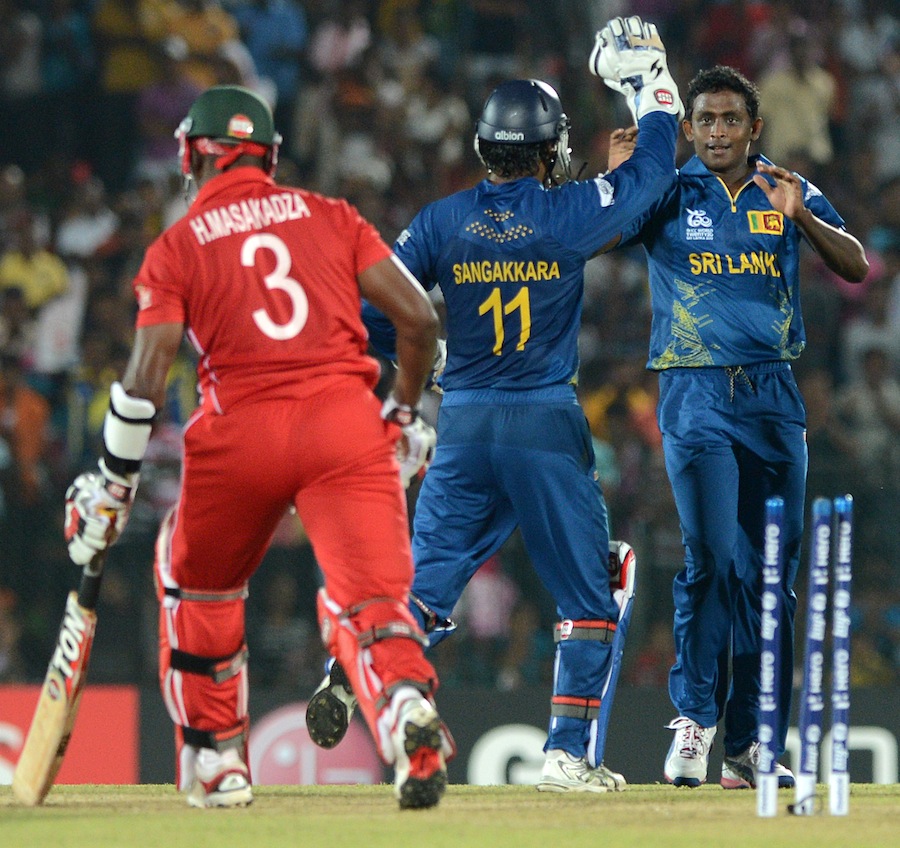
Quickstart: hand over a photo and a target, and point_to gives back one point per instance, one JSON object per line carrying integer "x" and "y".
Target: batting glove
{"x": 415, "y": 450}
{"x": 97, "y": 508}
{"x": 630, "y": 58}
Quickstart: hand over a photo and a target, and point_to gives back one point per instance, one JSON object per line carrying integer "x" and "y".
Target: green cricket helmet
{"x": 229, "y": 121}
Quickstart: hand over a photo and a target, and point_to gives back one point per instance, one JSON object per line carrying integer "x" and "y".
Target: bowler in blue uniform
{"x": 723, "y": 248}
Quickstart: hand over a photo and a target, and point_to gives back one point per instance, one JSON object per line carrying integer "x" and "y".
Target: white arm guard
{"x": 630, "y": 58}
{"x": 126, "y": 431}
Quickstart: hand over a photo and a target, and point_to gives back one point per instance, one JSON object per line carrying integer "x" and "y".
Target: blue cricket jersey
{"x": 723, "y": 272}
{"x": 509, "y": 260}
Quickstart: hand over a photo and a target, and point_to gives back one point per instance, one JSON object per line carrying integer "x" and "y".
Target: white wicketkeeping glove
{"x": 420, "y": 440}
{"x": 97, "y": 508}
{"x": 630, "y": 58}
{"x": 440, "y": 362}
{"x": 415, "y": 449}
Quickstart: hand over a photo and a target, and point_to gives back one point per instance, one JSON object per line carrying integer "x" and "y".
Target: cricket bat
{"x": 57, "y": 707}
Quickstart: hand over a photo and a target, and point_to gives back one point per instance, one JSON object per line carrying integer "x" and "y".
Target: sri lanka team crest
{"x": 240, "y": 126}
{"x": 768, "y": 221}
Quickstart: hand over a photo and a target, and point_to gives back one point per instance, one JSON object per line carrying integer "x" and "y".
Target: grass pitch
{"x": 468, "y": 817}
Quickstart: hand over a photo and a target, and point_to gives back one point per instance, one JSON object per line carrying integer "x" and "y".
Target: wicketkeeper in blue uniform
{"x": 514, "y": 448}
{"x": 723, "y": 248}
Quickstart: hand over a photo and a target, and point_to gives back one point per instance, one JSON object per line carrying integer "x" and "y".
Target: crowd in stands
{"x": 376, "y": 102}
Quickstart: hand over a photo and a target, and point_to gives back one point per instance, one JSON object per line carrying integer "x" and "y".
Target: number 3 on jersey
{"x": 277, "y": 279}
{"x": 494, "y": 304}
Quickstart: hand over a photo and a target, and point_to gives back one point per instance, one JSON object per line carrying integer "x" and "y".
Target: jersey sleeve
{"x": 819, "y": 205}
{"x": 413, "y": 248}
{"x": 160, "y": 296}
{"x": 612, "y": 203}
{"x": 370, "y": 247}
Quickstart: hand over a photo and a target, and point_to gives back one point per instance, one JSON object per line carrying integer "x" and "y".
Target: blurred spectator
{"x": 832, "y": 460}
{"x": 875, "y": 105}
{"x": 21, "y": 87}
{"x": 232, "y": 64}
{"x": 161, "y": 107}
{"x": 437, "y": 121}
{"x": 24, "y": 415}
{"x": 276, "y": 34}
{"x": 27, "y": 265}
{"x": 88, "y": 223}
{"x": 12, "y": 664}
{"x": 866, "y": 34}
{"x": 17, "y": 325}
{"x": 127, "y": 33}
{"x": 205, "y": 28}
{"x": 341, "y": 38}
{"x": 727, "y": 32}
{"x": 870, "y": 408}
{"x": 796, "y": 105}
{"x": 768, "y": 42}
{"x": 871, "y": 326}
{"x": 494, "y": 34}
{"x": 407, "y": 52}
{"x": 67, "y": 67}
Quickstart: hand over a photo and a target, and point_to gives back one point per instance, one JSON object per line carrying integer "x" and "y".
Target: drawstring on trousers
{"x": 739, "y": 372}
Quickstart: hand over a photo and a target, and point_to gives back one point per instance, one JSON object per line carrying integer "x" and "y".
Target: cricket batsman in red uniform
{"x": 267, "y": 281}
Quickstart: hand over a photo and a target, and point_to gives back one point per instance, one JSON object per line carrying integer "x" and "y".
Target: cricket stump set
{"x": 831, "y": 560}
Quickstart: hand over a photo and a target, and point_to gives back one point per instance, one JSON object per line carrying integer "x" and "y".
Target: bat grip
{"x": 89, "y": 588}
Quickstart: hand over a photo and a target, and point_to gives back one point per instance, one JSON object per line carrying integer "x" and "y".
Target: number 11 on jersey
{"x": 494, "y": 304}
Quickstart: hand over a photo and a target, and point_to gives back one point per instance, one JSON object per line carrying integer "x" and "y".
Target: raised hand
{"x": 630, "y": 57}
{"x": 786, "y": 195}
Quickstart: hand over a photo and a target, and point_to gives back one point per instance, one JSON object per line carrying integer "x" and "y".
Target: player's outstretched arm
{"x": 630, "y": 58}
{"x": 98, "y": 503}
{"x": 391, "y": 289}
{"x": 842, "y": 252}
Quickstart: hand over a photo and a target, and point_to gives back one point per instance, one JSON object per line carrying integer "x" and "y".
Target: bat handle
{"x": 89, "y": 588}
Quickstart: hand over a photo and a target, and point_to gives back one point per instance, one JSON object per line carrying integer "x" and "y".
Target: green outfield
{"x": 468, "y": 817}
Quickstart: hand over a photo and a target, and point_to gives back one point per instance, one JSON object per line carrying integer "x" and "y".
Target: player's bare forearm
{"x": 155, "y": 349}
{"x": 390, "y": 287}
{"x": 841, "y": 251}
{"x": 415, "y": 357}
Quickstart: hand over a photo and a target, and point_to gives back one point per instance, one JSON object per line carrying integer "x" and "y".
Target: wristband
{"x": 398, "y": 413}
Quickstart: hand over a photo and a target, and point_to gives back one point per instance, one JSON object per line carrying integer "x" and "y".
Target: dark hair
{"x": 722, "y": 78}
{"x": 512, "y": 160}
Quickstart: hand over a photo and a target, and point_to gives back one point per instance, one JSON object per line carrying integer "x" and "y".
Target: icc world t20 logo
{"x": 699, "y": 225}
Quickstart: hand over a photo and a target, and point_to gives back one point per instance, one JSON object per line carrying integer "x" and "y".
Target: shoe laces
{"x": 752, "y": 754}
{"x": 692, "y": 741}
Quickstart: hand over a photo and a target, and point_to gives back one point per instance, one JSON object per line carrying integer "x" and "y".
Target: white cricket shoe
{"x": 688, "y": 757}
{"x": 612, "y": 780}
{"x": 739, "y": 771}
{"x": 421, "y": 745}
{"x": 220, "y": 780}
{"x": 563, "y": 772}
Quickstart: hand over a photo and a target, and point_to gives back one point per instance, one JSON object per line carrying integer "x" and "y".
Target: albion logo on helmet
{"x": 506, "y": 135}
{"x": 240, "y": 126}
{"x": 664, "y": 98}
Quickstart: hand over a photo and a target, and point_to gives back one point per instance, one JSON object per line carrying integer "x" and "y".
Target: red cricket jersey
{"x": 264, "y": 278}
